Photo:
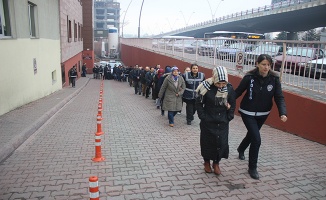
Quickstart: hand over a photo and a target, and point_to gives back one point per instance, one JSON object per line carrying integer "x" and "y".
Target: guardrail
{"x": 300, "y": 64}
{"x": 265, "y": 8}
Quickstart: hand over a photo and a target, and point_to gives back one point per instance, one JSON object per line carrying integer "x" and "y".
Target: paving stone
{"x": 146, "y": 159}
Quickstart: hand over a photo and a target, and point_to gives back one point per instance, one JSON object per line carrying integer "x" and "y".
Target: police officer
{"x": 192, "y": 79}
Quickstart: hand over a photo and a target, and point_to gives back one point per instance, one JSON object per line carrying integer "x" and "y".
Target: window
{"x": 54, "y": 77}
{"x": 81, "y": 32}
{"x": 31, "y": 17}
{"x": 78, "y": 28}
{"x": 75, "y": 31}
{"x": 5, "y": 29}
{"x": 69, "y": 29}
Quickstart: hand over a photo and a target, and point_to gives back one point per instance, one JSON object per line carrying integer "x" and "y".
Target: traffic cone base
{"x": 98, "y": 159}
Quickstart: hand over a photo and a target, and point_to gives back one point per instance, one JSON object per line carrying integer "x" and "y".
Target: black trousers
{"x": 137, "y": 86}
{"x": 190, "y": 109}
{"x": 73, "y": 81}
{"x": 253, "y": 125}
{"x": 148, "y": 88}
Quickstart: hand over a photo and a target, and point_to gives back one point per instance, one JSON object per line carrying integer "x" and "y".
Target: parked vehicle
{"x": 270, "y": 49}
{"x": 193, "y": 47}
{"x": 297, "y": 58}
{"x": 316, "y": 68}
{"x": 208, "y": 46}
{"x": 229, "y": 53}
{"x": 179, "y": 45}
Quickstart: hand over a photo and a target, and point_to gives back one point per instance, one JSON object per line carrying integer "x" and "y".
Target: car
{"x": 269, "y": 49}
{"x": 316, "y": 68}
{"x": 192, "y": 48}
{"x": 179, "y": 45}
{"x": 208, "y": 46}
{"x": 296, "y": 59}
{"x": 229, "y": 53}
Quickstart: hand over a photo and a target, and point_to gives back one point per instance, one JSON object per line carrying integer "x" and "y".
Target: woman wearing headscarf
{"x": 215, "y": 106}
{"x": 172, "y": 89}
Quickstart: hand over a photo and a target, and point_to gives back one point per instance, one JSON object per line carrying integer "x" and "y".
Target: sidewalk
{"x": 16, "y": 126}
{"x": 144, "y": 157}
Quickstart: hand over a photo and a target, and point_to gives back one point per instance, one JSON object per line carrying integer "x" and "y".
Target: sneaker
{"x": 188, "y": 123}
{"x": 158, "y": 107}
{"x": 179, "y": 113}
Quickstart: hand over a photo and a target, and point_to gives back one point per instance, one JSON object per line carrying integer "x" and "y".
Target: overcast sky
{"x": 166, "y": 15}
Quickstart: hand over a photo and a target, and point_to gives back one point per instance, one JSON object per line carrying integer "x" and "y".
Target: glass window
{"x": 5, "y": 28}
{"x": 31, "y": 17}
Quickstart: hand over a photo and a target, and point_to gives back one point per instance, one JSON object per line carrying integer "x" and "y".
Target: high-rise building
{"x": 106, "y": 14}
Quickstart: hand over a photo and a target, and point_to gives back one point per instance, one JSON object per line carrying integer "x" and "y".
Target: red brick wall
{"x": 306, "y": 117}
{"x": 76, "y": 60}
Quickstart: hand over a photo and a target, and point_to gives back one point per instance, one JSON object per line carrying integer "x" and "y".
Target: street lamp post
{"x": 141, "y": 8}
{"x": 186, "y": 22}
{"x": 213, "y": 14}
{"x": 124, "y": 17}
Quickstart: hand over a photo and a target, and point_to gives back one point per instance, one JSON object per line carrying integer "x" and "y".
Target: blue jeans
{"x": 171, "y": 115}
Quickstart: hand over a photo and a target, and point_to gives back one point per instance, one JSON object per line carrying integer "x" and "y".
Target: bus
{"x": 234, "y": 35}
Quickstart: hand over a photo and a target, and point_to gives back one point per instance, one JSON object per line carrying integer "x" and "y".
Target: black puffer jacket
{"x": 260, "y": 92}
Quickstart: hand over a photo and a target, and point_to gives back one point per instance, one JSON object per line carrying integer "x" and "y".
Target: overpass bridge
{"x": 292, "y": 16}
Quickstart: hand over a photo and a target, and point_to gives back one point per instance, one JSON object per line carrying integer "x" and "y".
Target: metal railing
{"x": 300, "y": 64}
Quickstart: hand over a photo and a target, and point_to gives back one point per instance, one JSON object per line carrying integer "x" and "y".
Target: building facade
{"x": 88, "y": 35}
{"x": 30, "y": 51}
{"x": 71, "y": 28}
{"x": 106, "y": 15}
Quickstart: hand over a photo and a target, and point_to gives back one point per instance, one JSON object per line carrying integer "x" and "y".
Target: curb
{"x": 15, "y": 142}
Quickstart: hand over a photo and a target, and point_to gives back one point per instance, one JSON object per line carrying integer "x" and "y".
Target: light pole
{"x": 213, "y": 14}
{"x": 124, "y": 17}
{"x": 141, "y": 8}
{"x": 186, "y": 22}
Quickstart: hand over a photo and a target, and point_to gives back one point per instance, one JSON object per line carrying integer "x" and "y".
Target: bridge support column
{"x": 291, "y": 35}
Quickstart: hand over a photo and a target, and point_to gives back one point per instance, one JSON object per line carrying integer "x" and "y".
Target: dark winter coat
{"x": 260, "y": 92}
{"x": 171, "y": 102}
{"x": 214, "y": 124}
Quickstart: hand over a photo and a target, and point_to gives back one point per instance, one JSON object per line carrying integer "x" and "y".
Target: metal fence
{"x": 300, "y": 64}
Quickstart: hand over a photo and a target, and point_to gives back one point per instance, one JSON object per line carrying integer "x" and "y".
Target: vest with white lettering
{"x": 192, "y": 84}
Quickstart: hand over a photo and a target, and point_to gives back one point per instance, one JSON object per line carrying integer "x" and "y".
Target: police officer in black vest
{"x": 192, "y": 79}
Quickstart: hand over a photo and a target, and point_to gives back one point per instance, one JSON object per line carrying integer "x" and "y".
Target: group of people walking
{"x": 214, "y": 99}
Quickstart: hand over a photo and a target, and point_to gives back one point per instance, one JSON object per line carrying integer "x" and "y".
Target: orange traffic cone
{"x": 98, "y": 149}
{"x": 94, "y": 193}
{"x": 99, "y": 109}
{"x": 99, "y": 125}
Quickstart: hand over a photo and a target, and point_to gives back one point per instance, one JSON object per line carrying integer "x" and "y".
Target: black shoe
{"x": 139, "y": 93}
{"x": 189, "y": 123}
{"x": 241, "y": 155}
{"x": 253, "y": 173}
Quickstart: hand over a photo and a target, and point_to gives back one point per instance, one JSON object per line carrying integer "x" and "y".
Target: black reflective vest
{"x": 192, "y": 84}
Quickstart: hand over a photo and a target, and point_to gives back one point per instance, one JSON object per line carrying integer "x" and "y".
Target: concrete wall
{"x": 306, "y": 117}
{"x": 20, "y": 83}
